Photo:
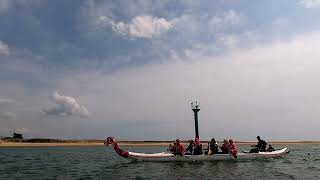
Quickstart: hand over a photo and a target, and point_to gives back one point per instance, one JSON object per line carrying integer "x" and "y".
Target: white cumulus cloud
{"x": 140, "y": 26}
{"x": 4, "y": 48}
{"x": 310, "y": 3}
{"x": 65, "y": 106}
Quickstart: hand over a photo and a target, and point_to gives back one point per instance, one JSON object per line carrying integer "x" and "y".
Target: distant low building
{"x": 17, "y": 136}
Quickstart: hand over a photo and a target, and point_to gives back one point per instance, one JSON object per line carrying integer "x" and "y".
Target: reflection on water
{"x": 96, "y": 163}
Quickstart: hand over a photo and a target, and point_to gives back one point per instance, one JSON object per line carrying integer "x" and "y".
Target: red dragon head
{"x": 109, "y": 140}
{"x": 122, "y": 153}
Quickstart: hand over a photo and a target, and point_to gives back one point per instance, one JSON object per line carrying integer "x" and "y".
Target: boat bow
{"x": 111, "y": 142}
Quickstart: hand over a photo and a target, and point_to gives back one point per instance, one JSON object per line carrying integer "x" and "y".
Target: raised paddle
{"x": 209, "y": 149}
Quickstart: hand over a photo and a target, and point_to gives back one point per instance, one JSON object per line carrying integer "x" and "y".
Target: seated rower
{"x": 260, "y": 147}
{"x": 213, "y": 146}
{"x": 197, "y": 150}
{"x": 225, "y": 147}
{"x": 233, "y": 149}
{"x": 172, "y": 148}
{"x": 189, "y": 149}
{"x": 179, "y": 150}
{"x": 270, "y": 148}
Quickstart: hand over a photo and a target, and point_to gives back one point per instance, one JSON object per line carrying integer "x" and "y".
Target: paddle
{"x": 209, "y": 149}
{"x": 186, "y": 145}
{"x": 234, "y": 156}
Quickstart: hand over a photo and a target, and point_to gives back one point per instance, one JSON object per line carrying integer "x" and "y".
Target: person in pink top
{"x": 233, "y": 149}
{"x": 179, "y": 148}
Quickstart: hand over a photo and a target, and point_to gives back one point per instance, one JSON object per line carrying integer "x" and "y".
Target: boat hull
{"x": 166, "y": 157}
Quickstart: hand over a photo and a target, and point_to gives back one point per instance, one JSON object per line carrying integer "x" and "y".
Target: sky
{"x": 90, "y": 69}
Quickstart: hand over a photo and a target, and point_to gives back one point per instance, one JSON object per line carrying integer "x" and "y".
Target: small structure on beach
{"x": 17, "y": 136}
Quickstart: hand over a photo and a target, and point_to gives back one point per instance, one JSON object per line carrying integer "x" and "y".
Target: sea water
{"x": 303, "y": 162}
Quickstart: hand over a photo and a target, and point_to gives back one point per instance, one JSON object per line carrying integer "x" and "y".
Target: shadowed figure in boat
{"x": 213, "y": 147}
{"x": 260, "y": 147}
{"x": 225, "y": 147}
{"x": 270, "y": 148}
{"x": 189, "y": 150}
{"x": 197, "y": 147}
{"x": 172, "y": 148}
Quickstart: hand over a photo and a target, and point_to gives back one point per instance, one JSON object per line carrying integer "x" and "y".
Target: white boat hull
{"x": 165, "y": 157}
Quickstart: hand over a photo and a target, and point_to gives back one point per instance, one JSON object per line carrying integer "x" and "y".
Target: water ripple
{"x": 94, "y": 163}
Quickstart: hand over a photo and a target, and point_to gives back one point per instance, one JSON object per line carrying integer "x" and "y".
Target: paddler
{"x": 270, "y": 148}
{"x": 179, "y": 148}
{"x": 189, "y": 149}
{"x": 260, "y": 147}
{"x": 197, "y": 147}
{"x": 214, "y": 148}
{"x": 172, "y": 148}
{"x": 233, "y": 149}
{"x": 225, "y": 147}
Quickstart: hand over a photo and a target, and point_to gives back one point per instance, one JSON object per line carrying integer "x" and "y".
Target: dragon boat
{"x": 113, "y": 146}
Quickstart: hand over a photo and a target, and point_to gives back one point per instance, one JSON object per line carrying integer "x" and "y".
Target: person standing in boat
{"x": 197, "y": 147}
{"x": 225, "y": 147}
{"x": 213, "y": 147}
{"x": 233, "y": 149}
{"x": 179, "y": 148}
{"x": 260, "y": 147}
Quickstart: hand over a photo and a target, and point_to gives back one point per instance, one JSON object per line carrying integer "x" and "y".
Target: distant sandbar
{"x": 132, "y": 143}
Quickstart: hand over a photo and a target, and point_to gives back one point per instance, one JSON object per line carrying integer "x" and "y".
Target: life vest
{"x": 180, "y": 149}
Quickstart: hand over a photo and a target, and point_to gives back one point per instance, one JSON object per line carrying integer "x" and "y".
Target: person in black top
{"x": 213, "y": 147}
{"x": 189, "y": 149}
{"x": 225, "y": 147}
{"x": 260, "y": 147}
{"x": 197, "y": 149}
{"x": 270, "y": 148}
{"x": 172, "y": 148}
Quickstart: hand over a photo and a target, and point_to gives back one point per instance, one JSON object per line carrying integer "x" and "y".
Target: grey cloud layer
{"x": 247, "y": 93}
{"x": 7, "y": 115}
{"x": 7, "y": 100}
{"x": 310, "y": 3}
{"x": 136, "y": 65}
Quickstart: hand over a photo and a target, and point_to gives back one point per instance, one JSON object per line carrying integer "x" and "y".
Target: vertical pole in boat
{"x": 196, "y": 108}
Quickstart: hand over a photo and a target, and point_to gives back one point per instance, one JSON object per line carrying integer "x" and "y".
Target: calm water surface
{"x": 303, "y": 162}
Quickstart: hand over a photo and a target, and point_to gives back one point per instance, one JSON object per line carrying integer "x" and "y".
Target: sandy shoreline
{"x": 135, "y": 143}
